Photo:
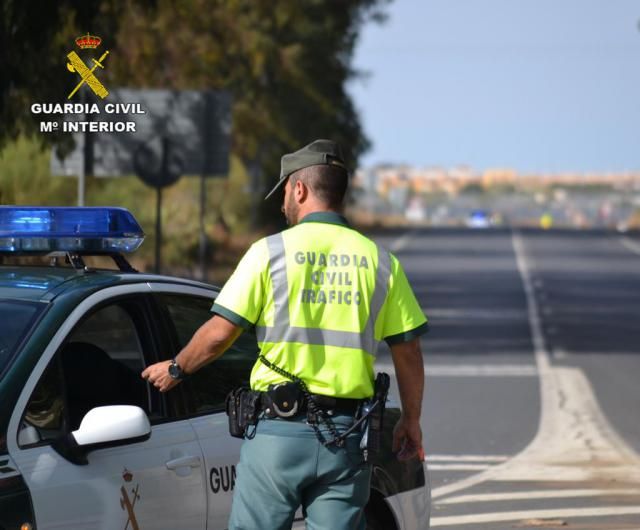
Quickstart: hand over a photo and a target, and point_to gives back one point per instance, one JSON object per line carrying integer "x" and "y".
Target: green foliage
{"x": 591, "y": 188}
{"x": 25, "y": 178}
{"x": 35, "y": 38}
{"x": 226, "y": 205}
{"x": 502, "y": 188}
{"x": 286, "y": 63}
{"x": 472, "y": 188}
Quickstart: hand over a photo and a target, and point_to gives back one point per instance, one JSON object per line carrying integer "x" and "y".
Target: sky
{"x": 532, "y": 85}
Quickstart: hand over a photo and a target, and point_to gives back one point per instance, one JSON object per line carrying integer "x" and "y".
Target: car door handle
{"x": 185, "y": 461}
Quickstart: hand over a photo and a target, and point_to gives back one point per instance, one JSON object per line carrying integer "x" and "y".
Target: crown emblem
{"x": 88, "y": 41}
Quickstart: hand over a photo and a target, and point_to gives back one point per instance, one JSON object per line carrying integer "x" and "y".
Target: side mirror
{"x": 104, "y": 427}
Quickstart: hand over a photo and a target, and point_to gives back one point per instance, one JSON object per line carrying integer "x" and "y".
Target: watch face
{"x": 174, "y": 371}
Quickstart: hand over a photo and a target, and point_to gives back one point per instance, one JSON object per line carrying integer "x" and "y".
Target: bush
{"x": 25, "y": 179}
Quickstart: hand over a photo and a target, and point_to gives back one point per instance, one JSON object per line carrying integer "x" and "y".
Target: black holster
{"x": 371, "y": 442}
{"x": 243, "y": 409}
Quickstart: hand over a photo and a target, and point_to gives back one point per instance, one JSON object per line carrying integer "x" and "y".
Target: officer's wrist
{"x": 175, "y": 370}
{"x": 408, "y": 417}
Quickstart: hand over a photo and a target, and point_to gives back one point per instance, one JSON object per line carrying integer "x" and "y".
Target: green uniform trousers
{"x": 285, "y": 466}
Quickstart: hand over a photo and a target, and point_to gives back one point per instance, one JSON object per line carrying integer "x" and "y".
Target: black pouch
{"x": 285, "y": 400}
{"x": 243, "y": 409}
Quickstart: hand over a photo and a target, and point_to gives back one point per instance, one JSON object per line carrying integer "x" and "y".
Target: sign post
{"x": 175, "y": 133}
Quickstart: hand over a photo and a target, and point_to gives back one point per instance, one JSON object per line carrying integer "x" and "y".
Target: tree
{"x": 286, "y": 62}
{"x": 34, "y": 40}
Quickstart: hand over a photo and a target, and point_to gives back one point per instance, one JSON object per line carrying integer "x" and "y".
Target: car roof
{"x": 45, "y": 283}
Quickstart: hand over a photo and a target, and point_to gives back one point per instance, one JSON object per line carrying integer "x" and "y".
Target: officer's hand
{"x": 158, "y": 375}
{"x": 407, "y": 439}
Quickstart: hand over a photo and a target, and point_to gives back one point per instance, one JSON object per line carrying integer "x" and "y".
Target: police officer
{"x": 320, "y": 296}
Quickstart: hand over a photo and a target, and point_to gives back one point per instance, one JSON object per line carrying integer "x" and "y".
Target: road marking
{"x": 544, "y": 494}
{"x": 496, "y": 517}
{"x": 480, "y": 313}
{"x": 483, "y": 370}
{"x": 539, "y": 349}
{"x": 630, "y": 245}
{"x": 458, "y": 467}
{"x": 574, "y": 441}
{"x": 400, "y": 244}
{"x": 472, "y": 370}
{"x": 467, "y": 458}
{"x": 559, "y": 353}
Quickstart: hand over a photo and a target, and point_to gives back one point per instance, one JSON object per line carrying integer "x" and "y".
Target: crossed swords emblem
{"x": 127, "y": 504}
{"x": 76, "y": 64}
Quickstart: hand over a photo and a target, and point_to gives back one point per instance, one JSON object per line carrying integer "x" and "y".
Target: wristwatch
{"x": 175, "y": 372}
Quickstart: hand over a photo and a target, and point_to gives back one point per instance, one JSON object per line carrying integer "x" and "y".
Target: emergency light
{"x": 82, "y": 230}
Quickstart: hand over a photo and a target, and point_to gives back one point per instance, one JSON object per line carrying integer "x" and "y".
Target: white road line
{"x": 458, "y": 467}
{"x": 559, "y": 353}
{"x": 484, "y": 370}
{"x": 476, "y": 313}
{"x": 574, "y": 441}
{"x": 495, "y": 517}
{"x": 539, "y": 349}
{"x": 467, "y": 458}
{"x": 545, "y": 494}
{"x": 400, "y": 244}
{"x": 630, "y": 245}
{"x": 472, "y": 370}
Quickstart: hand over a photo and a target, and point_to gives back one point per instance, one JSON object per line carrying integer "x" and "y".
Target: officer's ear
{"x": 300, "y": 191}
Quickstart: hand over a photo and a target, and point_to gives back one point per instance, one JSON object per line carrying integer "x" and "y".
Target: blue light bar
{"x": 32, "y": 229}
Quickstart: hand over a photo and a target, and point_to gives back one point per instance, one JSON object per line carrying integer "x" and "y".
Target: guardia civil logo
{"x": 78, "y": 66}
{"x": 86, "y": 70}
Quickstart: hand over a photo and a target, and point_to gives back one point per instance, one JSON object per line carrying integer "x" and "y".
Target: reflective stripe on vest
{"x": 282, "y": 331}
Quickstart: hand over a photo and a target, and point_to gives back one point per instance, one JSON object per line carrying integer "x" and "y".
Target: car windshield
{"x": 16, "y": 319}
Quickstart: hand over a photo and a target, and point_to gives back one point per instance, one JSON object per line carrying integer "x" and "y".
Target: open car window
{"x": 98, "y": 364}
{"x": 209, "y": 387}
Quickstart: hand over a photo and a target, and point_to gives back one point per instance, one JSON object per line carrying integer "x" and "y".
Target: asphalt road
{"x": 532, "y": 368}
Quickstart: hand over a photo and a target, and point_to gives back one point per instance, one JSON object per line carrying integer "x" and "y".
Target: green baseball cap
{"x": 318, "y": 152}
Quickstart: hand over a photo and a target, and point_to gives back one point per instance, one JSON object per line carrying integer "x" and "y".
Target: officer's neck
{"x": 317, "y": 207}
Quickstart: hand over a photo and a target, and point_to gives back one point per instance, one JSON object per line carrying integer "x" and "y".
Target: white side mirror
{"x": 112, "y": 424}
{"x": 104, "y": 427}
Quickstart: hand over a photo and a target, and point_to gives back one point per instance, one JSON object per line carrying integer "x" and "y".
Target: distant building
{"x": 386, "y": 179}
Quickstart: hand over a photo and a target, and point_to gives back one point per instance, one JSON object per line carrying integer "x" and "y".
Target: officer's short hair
{"x": 327, "y": 182}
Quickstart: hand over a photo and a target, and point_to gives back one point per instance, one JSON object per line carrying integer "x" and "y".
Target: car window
{"x": 98, "y": 364}
{"x": 44, "y": 418}
{"x": 208, "y": 388}
{"x": 16, "y": 319}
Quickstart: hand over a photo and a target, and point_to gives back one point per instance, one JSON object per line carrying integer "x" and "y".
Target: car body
{"x": 478, "y": 219}
{"x": 86, "y": 443}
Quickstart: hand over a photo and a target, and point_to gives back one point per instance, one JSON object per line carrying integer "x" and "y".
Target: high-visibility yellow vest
{"x": 321, "y": 297}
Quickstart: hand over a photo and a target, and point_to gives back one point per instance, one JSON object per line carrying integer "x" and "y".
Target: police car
{"x": 85, "y": 442}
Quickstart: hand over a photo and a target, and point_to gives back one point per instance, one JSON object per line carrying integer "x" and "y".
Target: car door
{"x": 96, "y": 360}
{"x": 205, "y": 394}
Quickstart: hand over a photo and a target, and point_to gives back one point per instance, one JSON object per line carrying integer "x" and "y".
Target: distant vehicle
{"x": 479, "y": 219}
{"x": 85, "y": 442}
{"x": 546, "y": 221}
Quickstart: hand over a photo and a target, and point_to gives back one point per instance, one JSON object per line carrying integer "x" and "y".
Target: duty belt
{"x": 328, "y": 404}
